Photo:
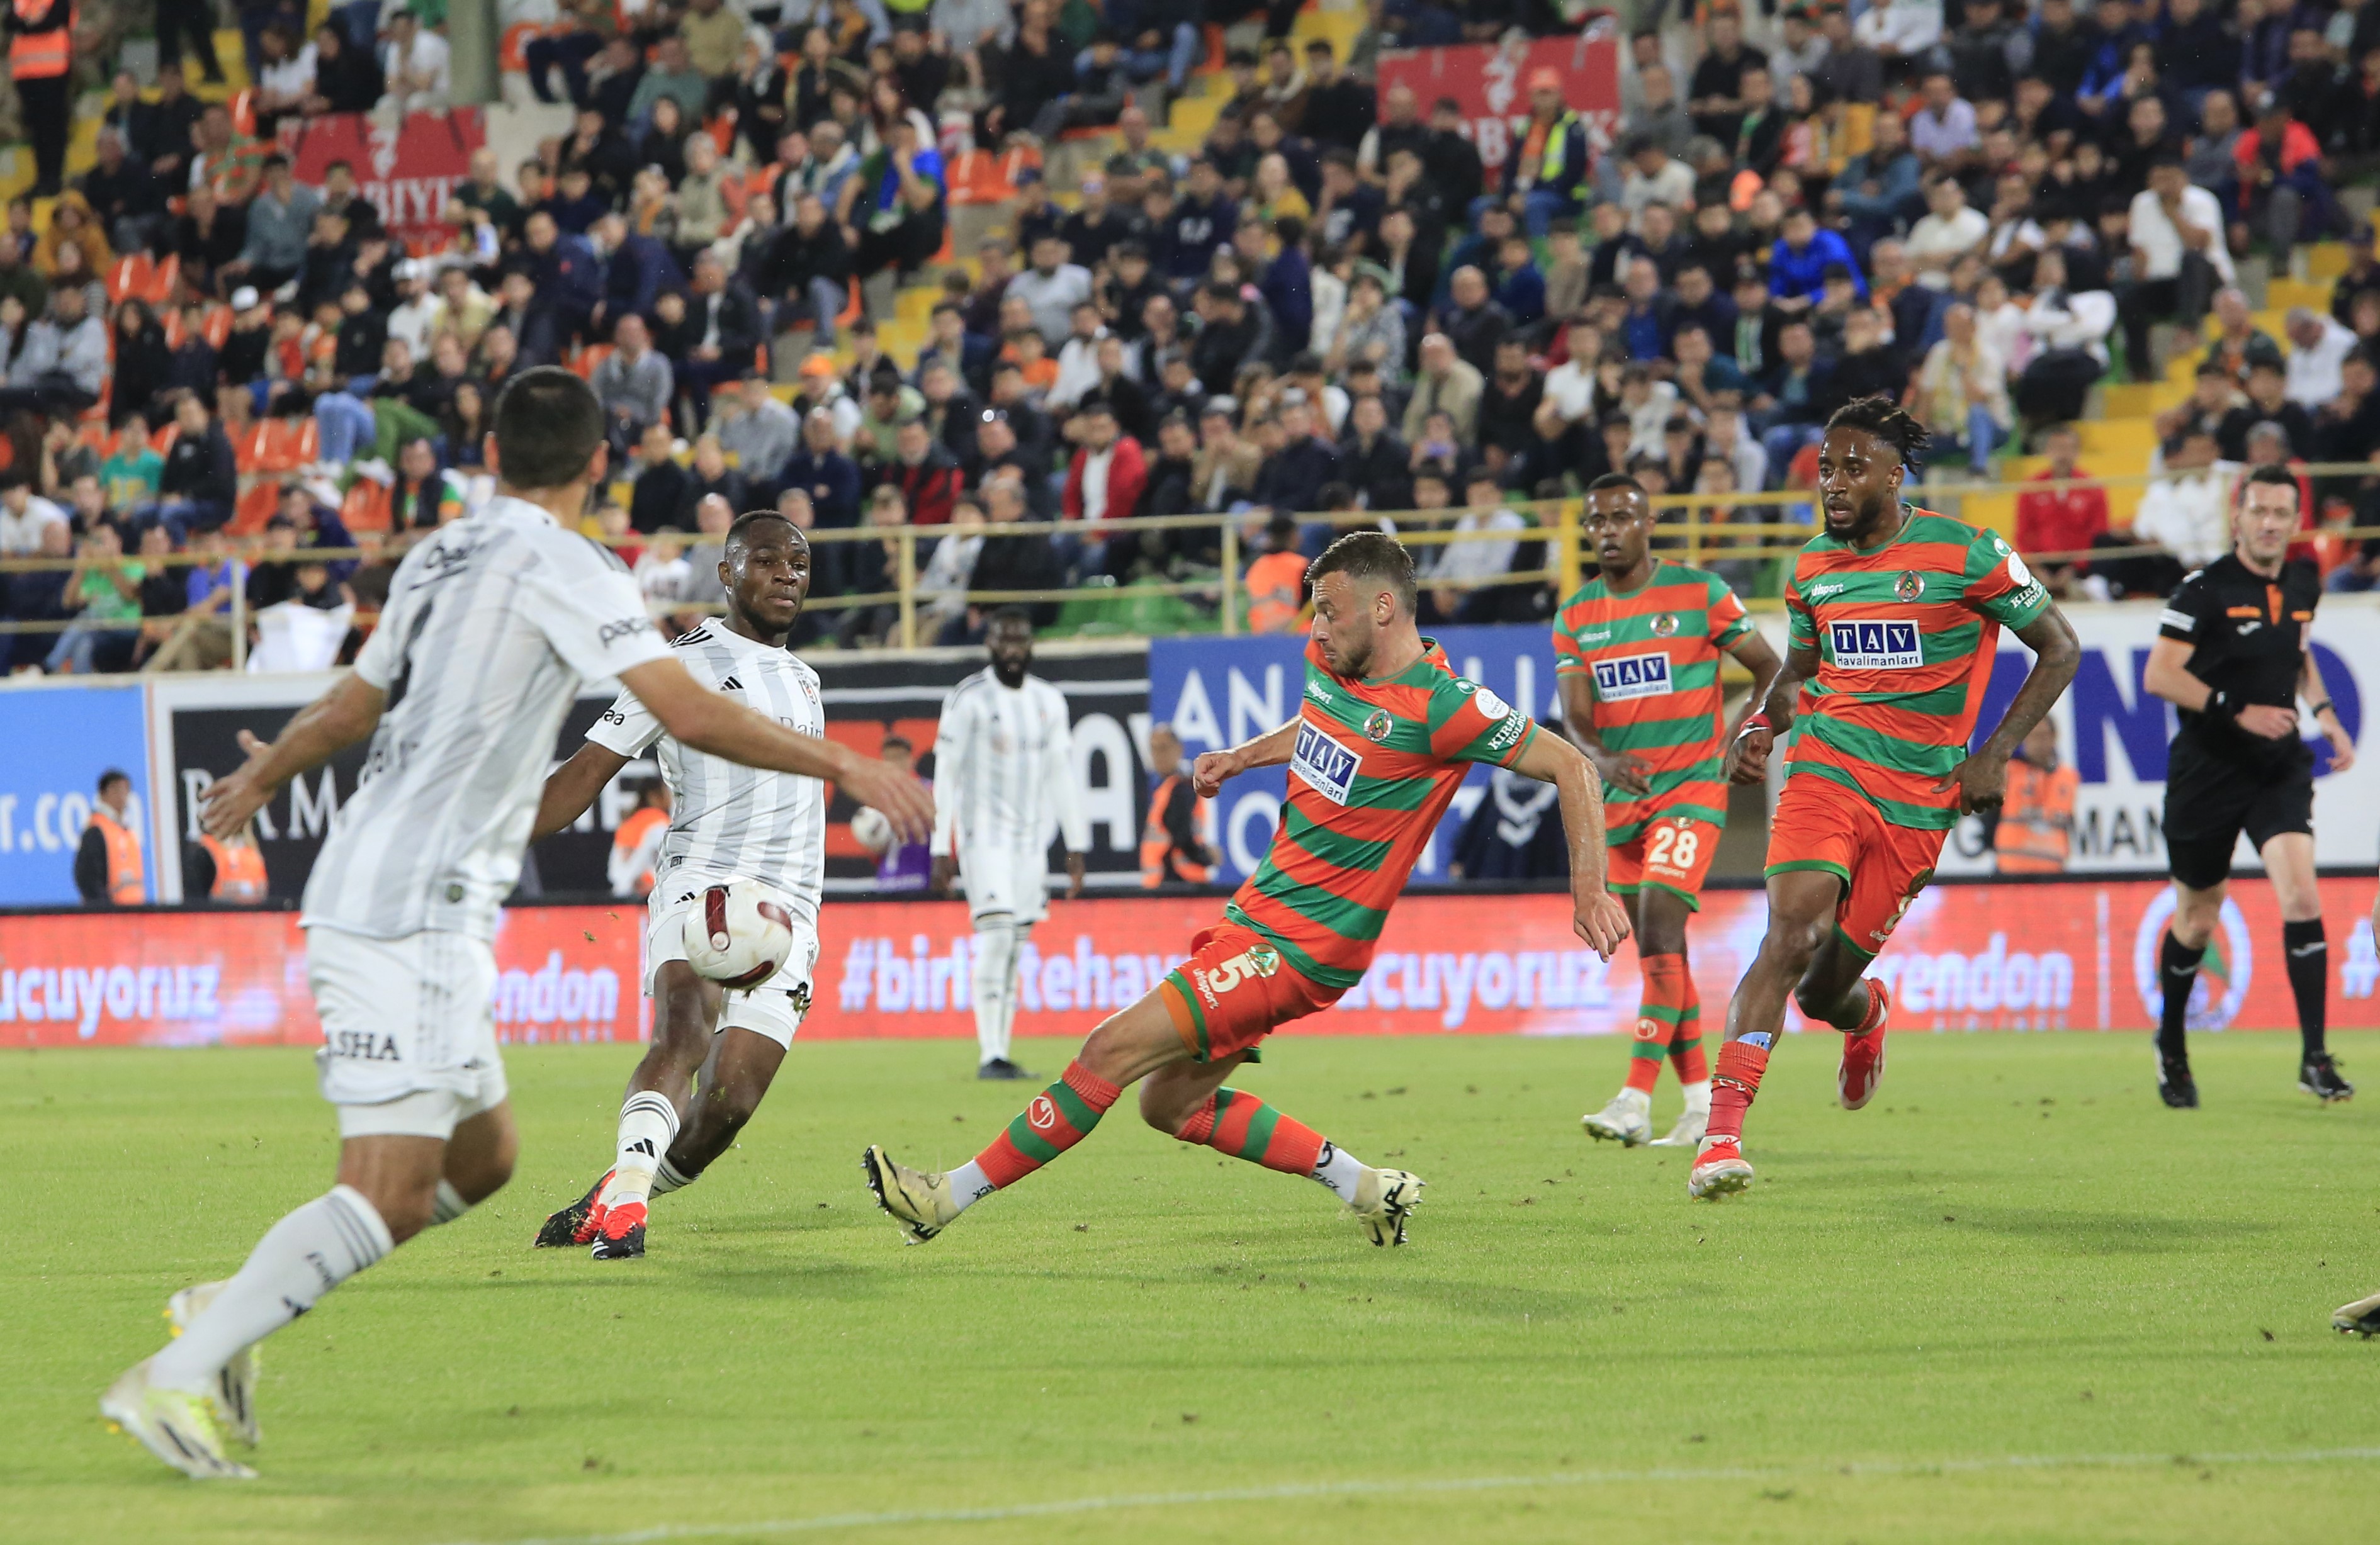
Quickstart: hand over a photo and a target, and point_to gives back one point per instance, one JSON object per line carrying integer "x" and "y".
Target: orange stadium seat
{"x": 254, "y": 507}
{"x": 286, "y": 444}
{"x": 365, "y": 507}
{"x": 244, "y": 445}
{"x": 583, "y": 363}
{"x": 129, "y": 276}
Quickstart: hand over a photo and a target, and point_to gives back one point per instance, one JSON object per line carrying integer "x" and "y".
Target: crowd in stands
{"x": 1328, "y": 307}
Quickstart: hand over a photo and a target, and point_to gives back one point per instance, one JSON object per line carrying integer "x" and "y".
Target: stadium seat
{"x": 365, "y": 507}
{"x": 161, "y": 438}
{"x": 129, "y": 276}
{"x": 245, "y": 445}
{"x": 286, "y": 444}
{"x": 253, "y": 508}
{"x": 582, "y": 365}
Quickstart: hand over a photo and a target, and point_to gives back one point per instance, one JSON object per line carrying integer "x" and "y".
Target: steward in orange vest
{"x": 2037, "y": 812}
{"x": 1177, "y": 843}
{"x": 41, "y": 51}
{"x": 107, "y": 867}
{"x": 234, "y": 872}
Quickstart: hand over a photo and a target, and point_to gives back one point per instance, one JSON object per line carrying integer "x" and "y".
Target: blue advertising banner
{"x": 59, "y": 741}
{"x": 1218, "y": 692}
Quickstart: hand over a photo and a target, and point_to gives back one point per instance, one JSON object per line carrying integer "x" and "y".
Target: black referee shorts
{"x": 2208, "y": 803}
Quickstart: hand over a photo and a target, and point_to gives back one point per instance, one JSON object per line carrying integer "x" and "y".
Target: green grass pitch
{"x": 2014, "y": 1299}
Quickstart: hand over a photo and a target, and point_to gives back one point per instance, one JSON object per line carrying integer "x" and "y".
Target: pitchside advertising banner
{"x": 2083, "y": 957}
{"x": 1490, "y": 83}
{"x": 58, "y": 739}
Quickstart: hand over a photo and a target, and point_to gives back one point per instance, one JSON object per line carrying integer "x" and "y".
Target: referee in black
{"x": 2232, "y": 654}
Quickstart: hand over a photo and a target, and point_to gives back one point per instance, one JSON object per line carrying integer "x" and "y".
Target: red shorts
{"x": 1233, "y": 991}
{"x": 1819, "y": 824}
{"x": 1668, "y": 852}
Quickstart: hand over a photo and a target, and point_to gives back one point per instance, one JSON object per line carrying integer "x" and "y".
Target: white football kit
{"x": 492, "y": 624}
{"x": 1003, "y": 778}
{"x": 728, "y": 821}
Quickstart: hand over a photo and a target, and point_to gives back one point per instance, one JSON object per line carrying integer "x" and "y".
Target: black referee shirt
{"x": 2247, "y": 638}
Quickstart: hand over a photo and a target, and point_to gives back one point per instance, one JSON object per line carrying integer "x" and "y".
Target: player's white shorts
{"x": 1000, "y": 881}
{"x": 774, "y": 1008}
{"x": 409, "y": 1033}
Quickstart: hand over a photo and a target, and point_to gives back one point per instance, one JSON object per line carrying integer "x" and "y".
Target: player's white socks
{"x": 648, "y": 1127}
{"x": 1339, "y": 1170}
{"x": 667, "y": 1178}
{"x": 302, "y": 1257}
{"x": 969, "y": 1185}
{"x": 997, "y": 941}
{"x": 1698, "y": 1097}
{"x": 450, "y": 1204}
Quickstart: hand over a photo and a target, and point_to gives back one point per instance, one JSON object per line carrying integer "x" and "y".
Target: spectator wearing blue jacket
{"x": 1288, "y": 288}
{"x": 1798, "y": 263}
{"x": 568, "y": 282}
{"x": 635, "y": 270}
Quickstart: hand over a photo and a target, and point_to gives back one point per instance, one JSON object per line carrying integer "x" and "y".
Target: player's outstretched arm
{"x": 1982, "y": 779}
{"x": 1597, "y": 915}
{"x": 572, "y": 787}
{"x": 1214, "y": 768}
{"x": 1747, "y": 749}
{"x": 706, "y": 721}
{"x": 337, "y": 720}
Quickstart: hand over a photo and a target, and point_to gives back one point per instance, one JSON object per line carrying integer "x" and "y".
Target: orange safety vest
{"x": 2036, "y": 819}
{"x": 1159, "y": 858}
{"x": 239, "y": 870}
{"x": 1274, "y": 592}
{"x": 125, "y": 881}
{"x": 45, "y": 54}
{"x": 632, "y": 835}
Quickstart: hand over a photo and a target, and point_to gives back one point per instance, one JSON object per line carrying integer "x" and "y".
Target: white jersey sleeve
{"x": 1058, "y": 779}
{"x": 627, "y": 727}
{"x": 954, "y": 745}
{"x": 596, "y": 621}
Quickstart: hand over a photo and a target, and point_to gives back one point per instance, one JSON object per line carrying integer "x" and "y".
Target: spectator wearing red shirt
{"x": 1108, "y": 471}
{"x": 929, "y": 477}
{"x": 2280, "y": 178}
{"x": 2059, "y": 520}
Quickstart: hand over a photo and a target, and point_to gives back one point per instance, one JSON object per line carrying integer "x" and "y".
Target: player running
{"x": 1003, "y": 776}
{"x": 1892, "y": 614}
{"x": 1384, "y": 735}
{"x": 727, "y": 823}
{"x": 2232, "y": 654}
{"x": 492, "y": 624}
{"x": 1637, "y": 651}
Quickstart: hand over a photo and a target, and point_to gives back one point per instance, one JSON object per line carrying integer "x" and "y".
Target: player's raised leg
{"x": 1247, "y": 991}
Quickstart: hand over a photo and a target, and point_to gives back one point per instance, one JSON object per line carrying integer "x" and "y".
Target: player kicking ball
{"x": 1892, "y": 612}
{"x": 492, "y": 624}
{"x": 1637, "y": 652}
{"x": 726, "y": 823}
{"x": 2231, "y": 656}
{"x": 1384, "y": 735}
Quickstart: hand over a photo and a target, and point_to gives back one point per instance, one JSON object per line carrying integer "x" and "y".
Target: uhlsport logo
{"x": 1043, "y": 1113}
{"x": 2223, "y": 976}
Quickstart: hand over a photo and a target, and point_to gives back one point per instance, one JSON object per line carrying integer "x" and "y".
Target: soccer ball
{"x": 737, "y": 934}
{"x": 872, "y": 830}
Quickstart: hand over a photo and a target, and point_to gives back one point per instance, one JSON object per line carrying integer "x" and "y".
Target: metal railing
{"x": 1700, "y": 528}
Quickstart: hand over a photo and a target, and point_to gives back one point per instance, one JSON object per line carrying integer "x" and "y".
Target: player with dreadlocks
{"x": 1892, "y": 612}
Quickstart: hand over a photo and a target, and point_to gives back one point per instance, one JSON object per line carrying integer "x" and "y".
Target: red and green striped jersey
{"x": 1651, "y": 656}
{"x": 1376, "y": 764}
{"x": 1905, "y": 636}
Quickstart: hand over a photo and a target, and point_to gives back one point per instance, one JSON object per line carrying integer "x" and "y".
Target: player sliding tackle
{"x": 1384, "y": 735}
{"x": 492, "y": 624}
{"x": 1892, "y": 614}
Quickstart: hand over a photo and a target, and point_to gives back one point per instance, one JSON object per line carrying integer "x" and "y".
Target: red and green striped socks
{"x": 1741, "y": 1063}
{"x": 1235, "y": 1122}
{"x": 1058, "y": 1118}
{"x": 1686, "y": 1048}
{"x": 1658, "y": 1021}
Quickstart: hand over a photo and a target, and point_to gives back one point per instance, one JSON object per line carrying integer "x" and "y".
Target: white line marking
{"x": 1424, "y": 1488}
